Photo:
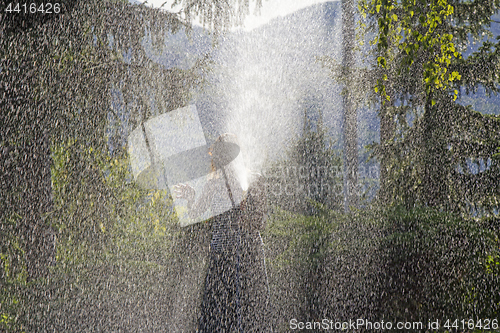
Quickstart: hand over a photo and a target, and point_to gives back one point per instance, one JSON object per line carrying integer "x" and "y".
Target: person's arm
{"x": 195, "y": 208}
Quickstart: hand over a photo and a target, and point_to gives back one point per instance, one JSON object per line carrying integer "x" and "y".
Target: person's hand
{"x": 184, "y": 191}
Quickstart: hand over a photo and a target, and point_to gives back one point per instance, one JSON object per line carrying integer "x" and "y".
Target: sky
{"x": 270, "y": 9}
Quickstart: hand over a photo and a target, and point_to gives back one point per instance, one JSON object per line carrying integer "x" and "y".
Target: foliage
{"x": 426, "y": 136}
{"x": 390, "y": 264}
{"x": 435, "y": 153}
{"x": 121, "y": 260}
{"x": 298, "y": 246}
{"x": 125, "y": 265}
{"x": 217, "y": 15}
{"x": 435, "y": 264}
{"x": 12, "y": 274}
{"x": 416, "y": 28}
{"x": 56, "y": 75}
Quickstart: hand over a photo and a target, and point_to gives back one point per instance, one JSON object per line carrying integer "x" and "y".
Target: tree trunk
{"x": 350, "y": 126}
{"x": 386, "y": 134}
{"x": 433, "y": 156}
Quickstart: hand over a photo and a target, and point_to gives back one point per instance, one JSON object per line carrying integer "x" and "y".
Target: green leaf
{"x": 381, "y": 61}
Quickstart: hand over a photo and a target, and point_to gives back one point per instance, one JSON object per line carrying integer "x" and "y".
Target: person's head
{"x": 226, "y": 137}
{"x": 234, "y": 167}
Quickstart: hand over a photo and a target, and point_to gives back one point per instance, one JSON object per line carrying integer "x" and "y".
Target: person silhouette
{"x": 236, "y": 291}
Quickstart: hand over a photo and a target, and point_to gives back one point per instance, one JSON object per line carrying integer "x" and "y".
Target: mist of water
{"x": 266, "y": 75}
